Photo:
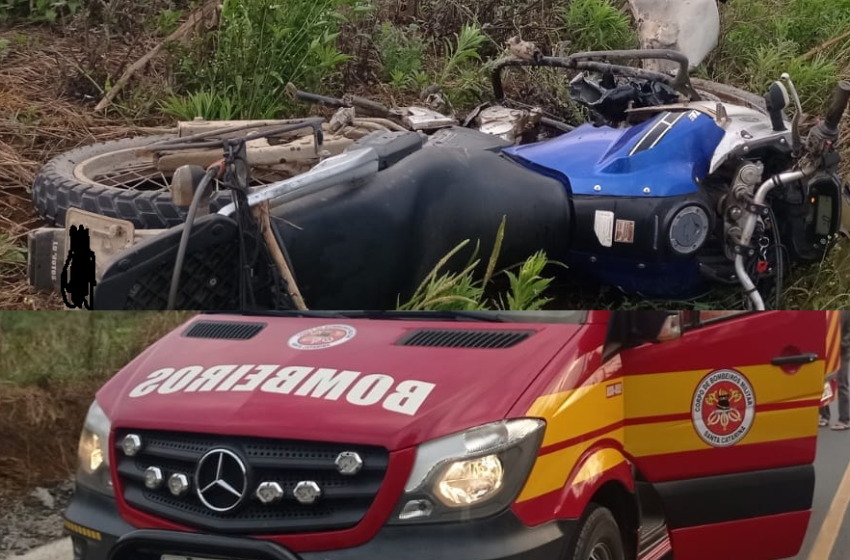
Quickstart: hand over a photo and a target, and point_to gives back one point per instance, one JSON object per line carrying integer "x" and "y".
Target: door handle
{"x": 796, "y": 359}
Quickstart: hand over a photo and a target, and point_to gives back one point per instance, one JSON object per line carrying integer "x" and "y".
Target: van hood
{"x": 372, "y": 382}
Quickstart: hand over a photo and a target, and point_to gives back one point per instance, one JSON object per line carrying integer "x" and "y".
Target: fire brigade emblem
{"x": 325, "y": 336}
{"x": 723, "y": 408}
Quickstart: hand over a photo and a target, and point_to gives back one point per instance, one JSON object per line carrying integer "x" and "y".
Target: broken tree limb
{"x": 826, "y": 45}
{"x": 261, "y": 212}
{"x": 194, "y": 19}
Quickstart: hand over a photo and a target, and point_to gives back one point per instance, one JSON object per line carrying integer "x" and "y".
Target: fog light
{"x": 178, "y": 484}
{"x": 348, "y": 463}
{"x": 131, "y": 444}
{"x": 269, "y": 492}
{"x": 307, "y": 492}
{"x": 153, "y": 478}
{"x": 416, "y": 509}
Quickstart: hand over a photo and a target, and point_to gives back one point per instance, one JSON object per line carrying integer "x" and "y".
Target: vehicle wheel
{"x": 599, "y": 537}
{"x": 111, "y": 179}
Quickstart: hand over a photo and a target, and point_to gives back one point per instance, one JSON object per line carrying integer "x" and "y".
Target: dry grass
{"x": 39, "y": 428}
{"x": 51, "y": 365}
{"x": 39, "y": 119}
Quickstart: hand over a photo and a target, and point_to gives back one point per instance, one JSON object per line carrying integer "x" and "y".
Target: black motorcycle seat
{"x": 362, "y": 246}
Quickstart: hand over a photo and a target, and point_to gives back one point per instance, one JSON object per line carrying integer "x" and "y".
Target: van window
{"x": 696, "y": 319}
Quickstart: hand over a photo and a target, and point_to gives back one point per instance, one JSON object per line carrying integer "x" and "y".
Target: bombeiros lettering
{"x": 356, "y": 388}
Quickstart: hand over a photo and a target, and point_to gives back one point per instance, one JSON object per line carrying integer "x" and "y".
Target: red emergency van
{"x": 441, "y": 436}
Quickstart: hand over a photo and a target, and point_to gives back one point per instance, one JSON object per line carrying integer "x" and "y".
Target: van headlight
{"x": 471, "y": 474}
{"x": 93, "y": 452}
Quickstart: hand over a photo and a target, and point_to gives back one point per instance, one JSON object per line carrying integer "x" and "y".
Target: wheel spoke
{"x": 139, "y": 173}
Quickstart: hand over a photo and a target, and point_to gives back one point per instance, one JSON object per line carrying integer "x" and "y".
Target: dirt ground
{"x": 34, "y": 520}
{"x": 39, "y": 428}
{"x": 46, "y": 104}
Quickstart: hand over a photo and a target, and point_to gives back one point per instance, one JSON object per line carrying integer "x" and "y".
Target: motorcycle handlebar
{"x": 840, "y": 97}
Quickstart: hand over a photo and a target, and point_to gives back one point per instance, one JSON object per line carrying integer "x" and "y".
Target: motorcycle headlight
{"x": 471, "y": 474}
{"x": 93, "y": 452}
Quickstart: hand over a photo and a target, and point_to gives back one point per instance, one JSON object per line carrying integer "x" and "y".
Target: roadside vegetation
{"x": 51, "y": 364}
{"x": 49, "y": 348}
{"x": 59, "y": 59}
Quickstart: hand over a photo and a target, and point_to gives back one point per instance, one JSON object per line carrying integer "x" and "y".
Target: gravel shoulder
{"x": 34, "y": 520}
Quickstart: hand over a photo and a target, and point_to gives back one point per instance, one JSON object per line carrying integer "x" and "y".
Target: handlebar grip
{"x": 840, "y": 97}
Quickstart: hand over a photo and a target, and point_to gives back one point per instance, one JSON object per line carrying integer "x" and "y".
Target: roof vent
{"x": 224, "y": 330}
{"x": 461, "y": 338}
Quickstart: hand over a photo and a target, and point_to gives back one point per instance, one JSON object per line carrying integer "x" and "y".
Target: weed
{"x": 4, "y": 48}
{"x": 527, "y": 286}
{"x": 38, "y": 10}
{"x": 459, "y": 291}
{"x": 10, "y": 252}
{"x": 762, "y": 39}
{"x": 402, "y": 52}
{"x": 597, "y": 25}
{"x": 205, "y": 104}
{"x": 259, "y": 46}
{"x": 60, "y": 346}
{"x": 462, "y": 79}
{"x": 167, "y": 21}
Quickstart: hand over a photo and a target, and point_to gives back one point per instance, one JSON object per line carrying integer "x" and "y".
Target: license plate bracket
{"x": 107, "y": 236}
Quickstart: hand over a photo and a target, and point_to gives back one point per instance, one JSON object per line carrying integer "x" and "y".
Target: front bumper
{"x": 502, "y": 537}
{"x": 93, "y": 521}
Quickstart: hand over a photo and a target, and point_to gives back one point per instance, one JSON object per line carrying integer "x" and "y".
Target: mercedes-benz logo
{"x": 221, "y": 480}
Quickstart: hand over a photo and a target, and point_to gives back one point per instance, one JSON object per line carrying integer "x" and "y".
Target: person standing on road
{"x": 843, "y": 381}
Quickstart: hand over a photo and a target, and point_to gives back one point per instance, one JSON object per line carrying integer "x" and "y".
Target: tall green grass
{"x": 760, "y": 39}
{"x": 597, "y": 25}
{"x": 55, "y": 347}
{"x": 260, "y": 45}
{"x": 443, "y": 290}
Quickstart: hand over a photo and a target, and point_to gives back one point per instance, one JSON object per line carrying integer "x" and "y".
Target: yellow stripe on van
{"x": 551, "y": 471}
{"x": 679, "y": 436}
{"x": 596, "y": 465}
{"x": 585, "y": 411}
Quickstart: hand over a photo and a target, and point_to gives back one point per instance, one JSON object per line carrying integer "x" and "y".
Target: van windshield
{"x": 568, "y": 317}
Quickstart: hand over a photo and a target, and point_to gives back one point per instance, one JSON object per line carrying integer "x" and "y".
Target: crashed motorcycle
{"x": 675, "y": 184}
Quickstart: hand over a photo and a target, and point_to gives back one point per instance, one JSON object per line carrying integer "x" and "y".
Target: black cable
{"x": 184, "y": 237}
{"x": 780, "y": 270}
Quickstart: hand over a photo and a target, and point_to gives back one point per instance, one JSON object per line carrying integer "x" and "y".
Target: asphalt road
{"x": 828, "y": 537}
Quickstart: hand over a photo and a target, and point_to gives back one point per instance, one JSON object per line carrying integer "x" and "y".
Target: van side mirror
{"x": 629, "y": 329}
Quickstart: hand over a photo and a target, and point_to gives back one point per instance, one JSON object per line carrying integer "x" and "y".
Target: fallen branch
{"x": 261, "y": 212}
{"x": 825, "y": 45}
{"x": 195, "y": 17}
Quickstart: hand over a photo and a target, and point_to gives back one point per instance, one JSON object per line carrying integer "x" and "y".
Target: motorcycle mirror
{"x": 776, "y": 100}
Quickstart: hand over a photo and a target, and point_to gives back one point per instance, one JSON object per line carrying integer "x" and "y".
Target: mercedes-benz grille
{"x": 248, "y": 485}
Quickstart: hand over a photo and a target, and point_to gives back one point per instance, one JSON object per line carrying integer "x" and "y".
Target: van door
{"x": 722, "y": 422}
